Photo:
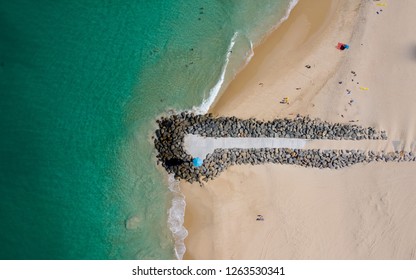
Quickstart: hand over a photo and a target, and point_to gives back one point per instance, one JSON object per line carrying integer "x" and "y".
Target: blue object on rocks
{"x": 197, "y": 162}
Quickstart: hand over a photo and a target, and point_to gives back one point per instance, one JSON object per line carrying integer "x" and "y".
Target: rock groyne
{"x": 169, "y": 139}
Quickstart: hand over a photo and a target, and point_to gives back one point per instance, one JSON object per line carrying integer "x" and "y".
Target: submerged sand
{"x": 363, "y": 212}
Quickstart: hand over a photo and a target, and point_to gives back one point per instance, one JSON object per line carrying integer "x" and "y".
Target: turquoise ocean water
{"x": 81, "y": 83}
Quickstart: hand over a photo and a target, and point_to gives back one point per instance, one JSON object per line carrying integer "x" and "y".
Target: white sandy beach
{"x": 361, "y": 212}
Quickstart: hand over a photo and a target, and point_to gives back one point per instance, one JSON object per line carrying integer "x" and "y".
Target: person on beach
{"x": 260, "y": 218}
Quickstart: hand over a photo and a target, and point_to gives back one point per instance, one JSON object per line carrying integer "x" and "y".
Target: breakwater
{"x": 169, "y": 142}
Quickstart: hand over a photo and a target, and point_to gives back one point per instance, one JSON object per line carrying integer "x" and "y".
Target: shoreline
{"x": 363, "y": 212}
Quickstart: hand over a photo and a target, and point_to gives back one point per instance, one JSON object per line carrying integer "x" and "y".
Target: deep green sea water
{"x": 81, "y": 83}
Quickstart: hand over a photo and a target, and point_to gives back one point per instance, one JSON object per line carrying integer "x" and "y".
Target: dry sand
{"x": 363, "y": 212}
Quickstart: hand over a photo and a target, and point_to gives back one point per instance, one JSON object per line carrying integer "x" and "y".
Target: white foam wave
{"x": 176, "y": 217}
{"x": 292, "y": 5}
{"x": 206, "y": 104}
{"x": 249, "y": 54}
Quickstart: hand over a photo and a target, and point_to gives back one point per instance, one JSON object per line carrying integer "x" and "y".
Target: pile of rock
{"x": 217, "y": 162}
{"x": 299, "y": 127}
{"x": 171, "y": 154}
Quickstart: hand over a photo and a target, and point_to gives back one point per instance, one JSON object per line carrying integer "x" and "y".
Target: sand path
{"x": 198, "y": 146}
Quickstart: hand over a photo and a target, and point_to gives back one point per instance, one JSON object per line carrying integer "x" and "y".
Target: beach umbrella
{"x": 342, "y": 46}
{"x": 197, "y": 162}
